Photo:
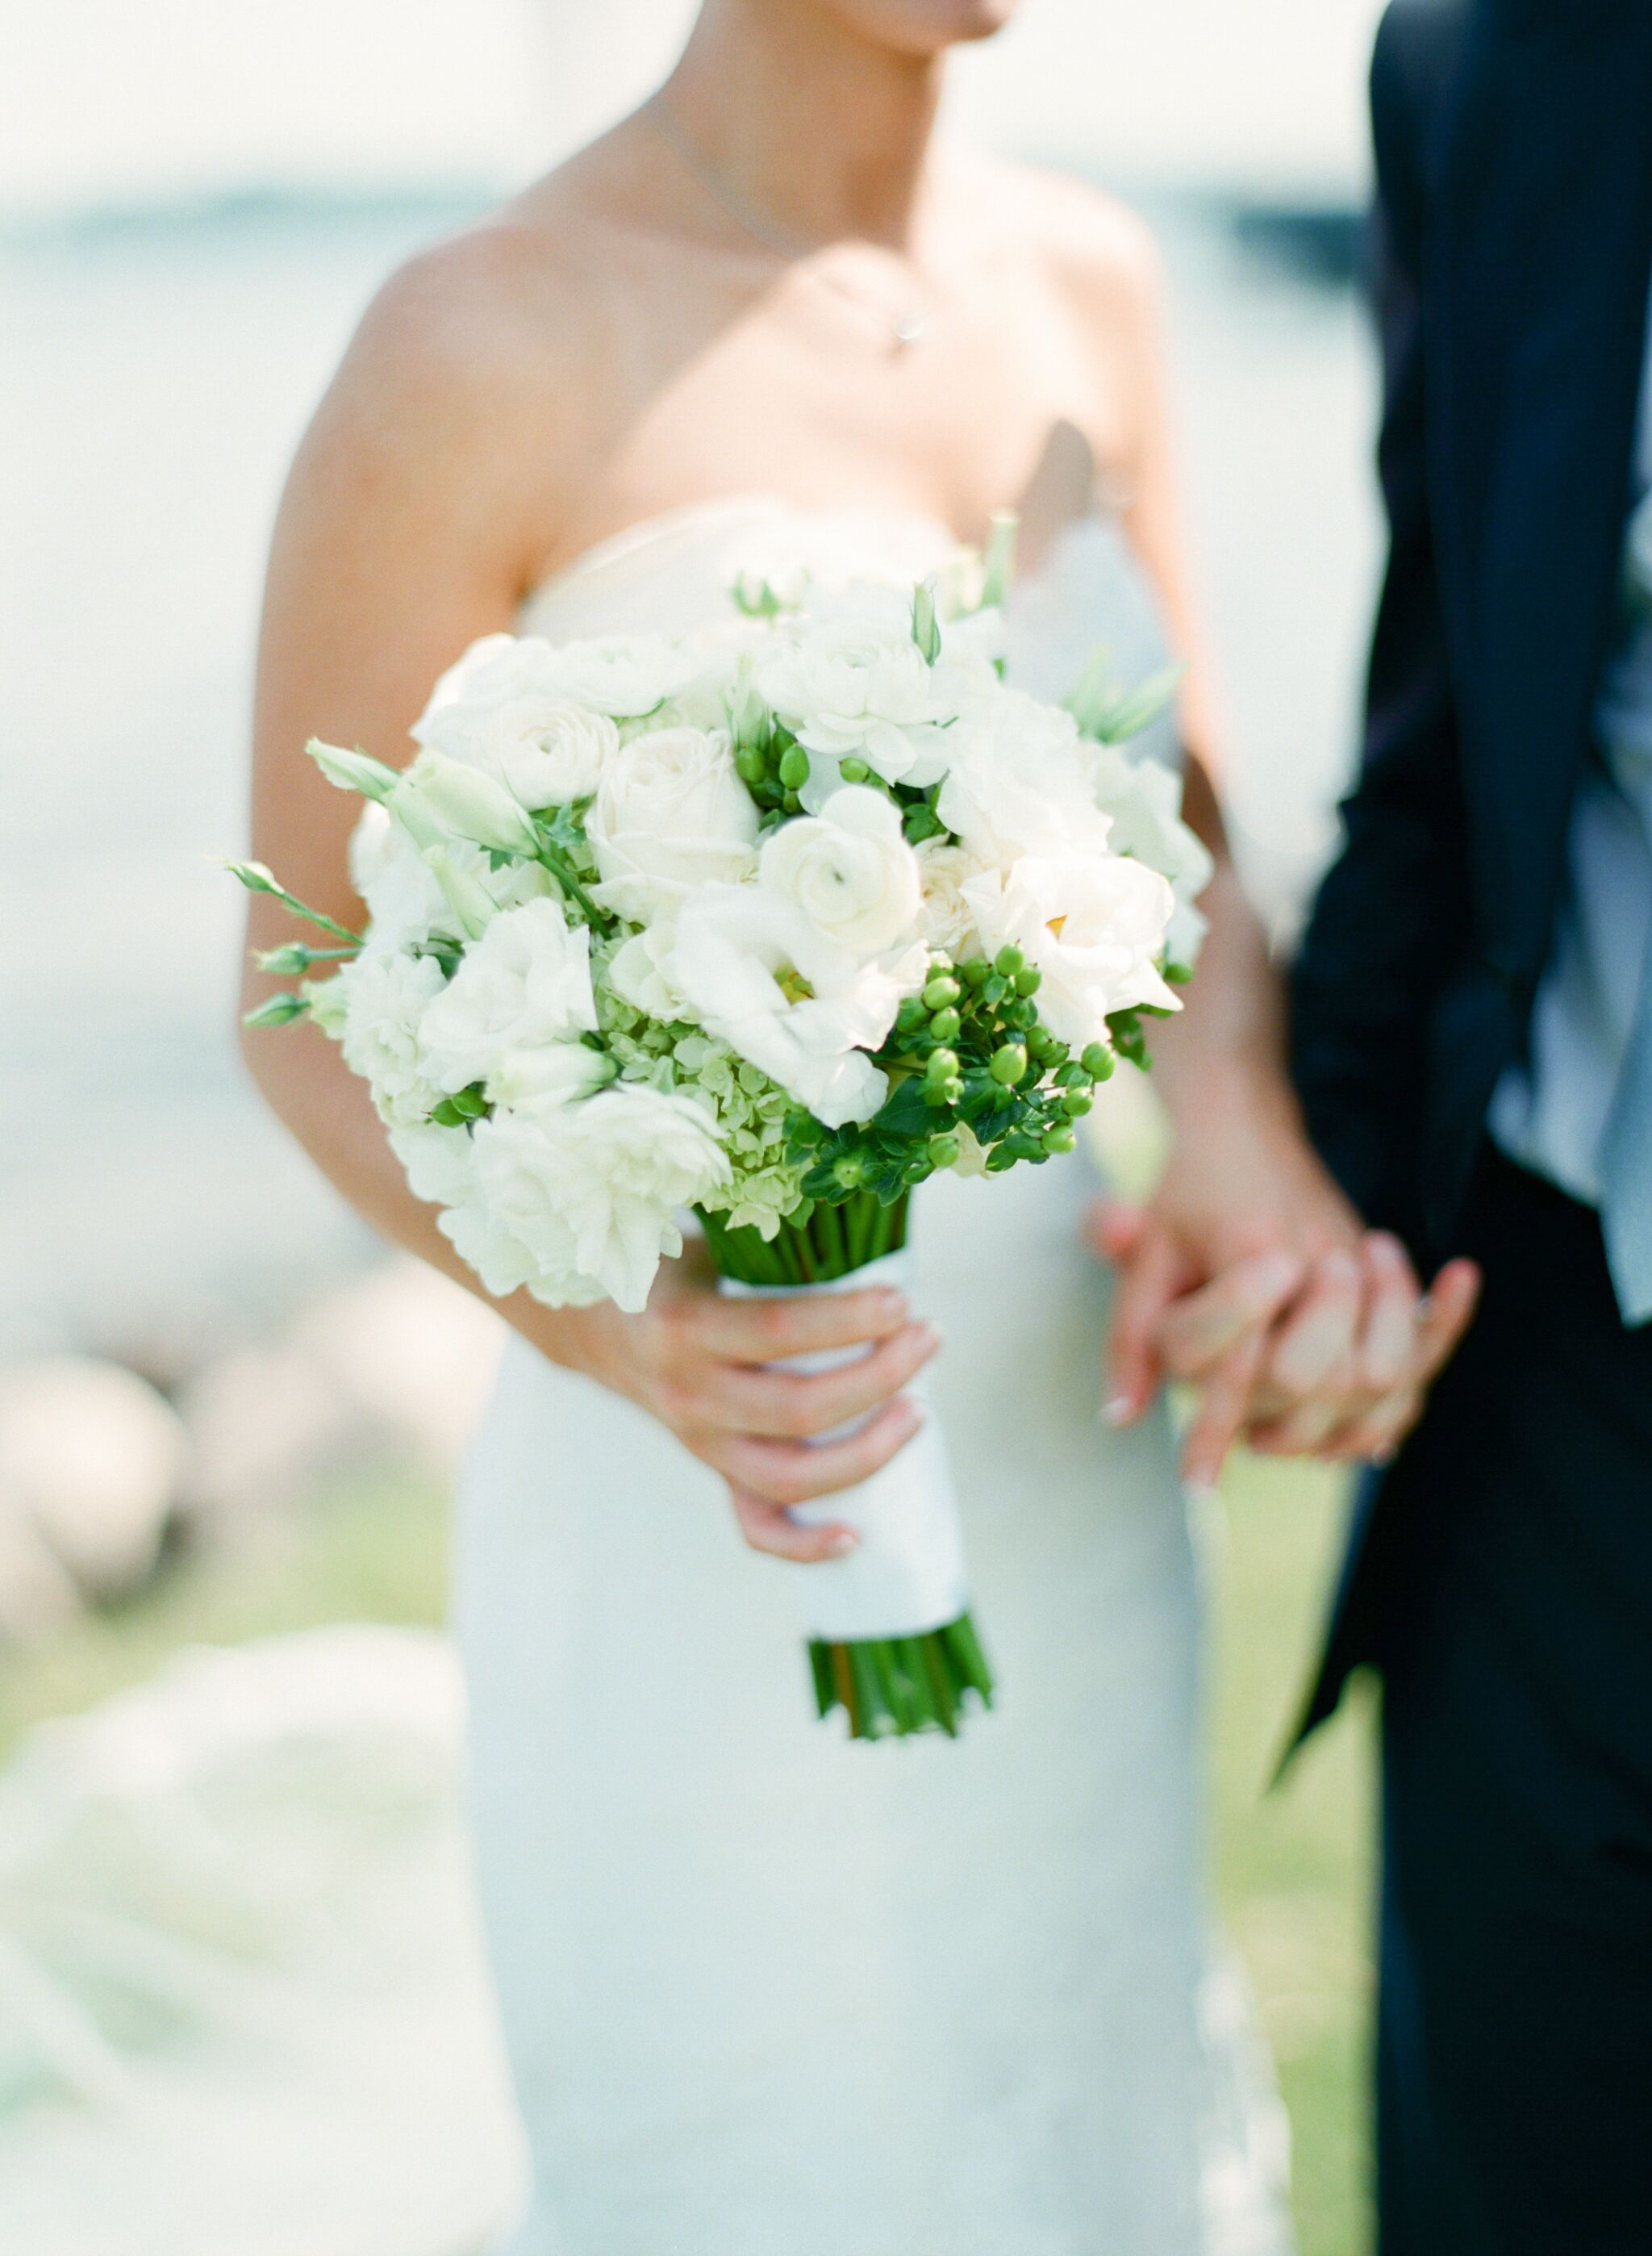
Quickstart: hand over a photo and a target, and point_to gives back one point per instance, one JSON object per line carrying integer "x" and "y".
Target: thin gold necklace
{"x": 906, "y": 329}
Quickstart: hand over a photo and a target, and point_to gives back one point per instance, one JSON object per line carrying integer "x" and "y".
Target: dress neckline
{"x": 662, "y": 526}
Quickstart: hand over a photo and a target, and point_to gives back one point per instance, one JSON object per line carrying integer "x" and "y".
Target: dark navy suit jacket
{"x": 1513, "y": 252}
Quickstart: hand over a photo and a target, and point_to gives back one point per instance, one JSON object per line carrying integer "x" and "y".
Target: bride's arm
{"x": 413, "y": 519}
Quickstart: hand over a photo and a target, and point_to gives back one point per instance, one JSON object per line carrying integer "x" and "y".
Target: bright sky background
{"x": 132, "y": 100}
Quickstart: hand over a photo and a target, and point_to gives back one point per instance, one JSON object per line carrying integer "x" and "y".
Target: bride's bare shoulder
{"x": 1091, "y": 246}
{"x": 503, "y": 325}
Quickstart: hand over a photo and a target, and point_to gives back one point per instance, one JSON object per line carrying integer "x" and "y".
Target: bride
{"x": 764, "y": 1992}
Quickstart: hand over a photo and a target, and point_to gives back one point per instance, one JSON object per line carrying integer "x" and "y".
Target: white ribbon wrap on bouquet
{"x": 907, "y": 1575}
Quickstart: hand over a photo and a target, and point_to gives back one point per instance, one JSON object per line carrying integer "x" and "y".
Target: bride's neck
{"x": 823, "y": 129}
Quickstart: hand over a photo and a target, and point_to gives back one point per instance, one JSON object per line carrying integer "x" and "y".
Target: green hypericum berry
{"x": 1009, "y": 961}
{"x": 942, "y": 1065}
{"x": 792, "y": 803}
{"x": 1177, "y": 975}
{"x": 1076, "y": 1102}
{"x": 1008, "y": 1063}
{"x": 848, "y": 1170}
{"x": 1097, "y": 1060}
{"x": 752, "y": 764}
{"x": 911, "y": 1015}
{"x": 1029, "y": 979}
{"x": 946, "y": 1026}
{"x": 940, "y": 991}
{"x": 1056, "y": 1140}
{"x": 794, "y": 767}
{"x": 953, "y": 1090}
{"x": 943, "y": 1151}
{"x": 976, "y": 972}
{"x": 853, "y": 771}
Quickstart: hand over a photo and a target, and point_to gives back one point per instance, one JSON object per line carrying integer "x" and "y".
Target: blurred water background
{"x": 194, "y": 204}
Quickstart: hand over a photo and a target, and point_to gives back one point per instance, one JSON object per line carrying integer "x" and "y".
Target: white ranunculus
{"x": 543, "y": 749}
{"x": 849, "y": 870}
{"x": 946, "y": 921}
{"x": 1019, "y": 783}
{"x": 527, "y": 980}
{"x": 624, "y": 675}
{"x": 755, "y": 971}
{"x": 1093, "y": 925}
{"x": 1143, "y": 797}
{"x": 670, "y": 814}
{"x": 857, "y": 685}
{"x": 592, "y": 1189}
{"x": 387, "y": 996}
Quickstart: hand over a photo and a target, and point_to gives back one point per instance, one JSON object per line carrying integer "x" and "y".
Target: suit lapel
{"x": 1539, "y": 269}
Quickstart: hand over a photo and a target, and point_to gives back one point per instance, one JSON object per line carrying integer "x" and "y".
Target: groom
{"x": 1472, "y": 1052}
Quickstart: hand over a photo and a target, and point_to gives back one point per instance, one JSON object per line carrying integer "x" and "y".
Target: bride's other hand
{"x": 702, "y": 1364}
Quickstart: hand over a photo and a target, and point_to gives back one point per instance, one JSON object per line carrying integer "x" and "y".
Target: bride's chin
{"x": 925, "y": 26}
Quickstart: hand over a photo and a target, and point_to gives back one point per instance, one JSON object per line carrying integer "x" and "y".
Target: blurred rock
{"x": 412, "y": 1349}
{"x": 263, "y": 1424}
{"x": 91, "y": 1460}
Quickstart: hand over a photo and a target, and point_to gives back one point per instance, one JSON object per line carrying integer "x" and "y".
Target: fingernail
{"x": 891, "y": 1305}
{"x": 1118, "y": 1409}
{"x": 840, "y": 1546}
{"x": 929, "y": 1338}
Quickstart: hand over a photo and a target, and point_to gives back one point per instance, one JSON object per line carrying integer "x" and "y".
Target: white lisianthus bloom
{"x": 639, "y": 973}
{"x": 755, "y": 971}
{"x": 403, "y": 901}
{"x": 527, "y": 980}
{"x": 438, "y": 1163}
{"x": 858, "y": 685}
{"x": 849, "y": 870}
{"x": 1091, "y": 924}
{"x": 1142, "y": 798}
{"x": 946, "y": 921}
{"x": 545, "y": 749}
{"x": 1019, "y": 783}
{"x": 386, "y": 996}
{"x": 670, "y": 814}
{"x": 591, "y": 1190}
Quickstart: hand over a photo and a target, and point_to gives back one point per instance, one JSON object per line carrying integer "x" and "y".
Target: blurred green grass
{"x": 1291, "y": 1865}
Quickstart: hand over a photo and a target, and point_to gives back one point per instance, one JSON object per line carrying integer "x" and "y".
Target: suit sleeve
{"x": 1391, "y": 922}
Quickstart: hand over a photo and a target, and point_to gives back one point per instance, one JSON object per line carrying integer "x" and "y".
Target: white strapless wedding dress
{"x": 766, "y": 1993}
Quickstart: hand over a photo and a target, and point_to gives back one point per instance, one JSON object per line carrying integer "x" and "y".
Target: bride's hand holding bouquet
{"x": 771, "y": 923}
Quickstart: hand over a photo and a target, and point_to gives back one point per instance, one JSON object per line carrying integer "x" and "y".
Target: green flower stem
{"x": 552, "y": 859}
{"x": 889, "y": 1686}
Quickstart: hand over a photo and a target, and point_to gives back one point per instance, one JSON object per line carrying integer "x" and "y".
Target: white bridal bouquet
{"x": 769, "y": 922}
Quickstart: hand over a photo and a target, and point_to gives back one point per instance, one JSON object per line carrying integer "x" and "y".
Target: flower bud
{"x": 464, "y": 803}
{"x": 925, "y": 627}
{"x": 472, "y": 906}
{"x": 354, "y": 771}
{"x": 279, "y": 1011}
{"x": 998, "y": 562}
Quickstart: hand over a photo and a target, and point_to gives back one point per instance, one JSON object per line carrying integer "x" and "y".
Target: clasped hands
{"x": 1248, "y": 1276}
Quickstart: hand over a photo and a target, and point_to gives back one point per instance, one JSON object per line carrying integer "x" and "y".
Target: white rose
{"x": 849, "y": 870}
{"x": 946, "y": 921}
{"x": 592, "y": 1189}
{"x": 543, "y": 748}
{"x": 1019, "y": 783}
{"x": 857, "y": 685}
{"x": 1143, "y": 797}
{"x": 1092, "y": 924}
{"x": 386, "y": 997}
{"x": 670, "y": 814}
{"x": 755, "y": 971}
{"x": 639, "y": 973}
{"x": 527, "y": 980}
